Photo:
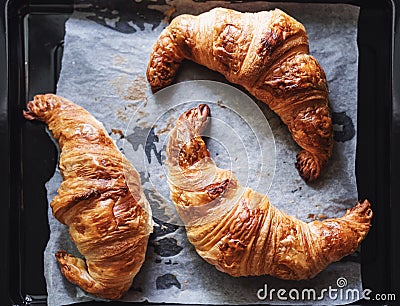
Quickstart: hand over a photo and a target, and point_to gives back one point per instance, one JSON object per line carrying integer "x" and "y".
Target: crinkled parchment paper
{"x": 103, "y": 69}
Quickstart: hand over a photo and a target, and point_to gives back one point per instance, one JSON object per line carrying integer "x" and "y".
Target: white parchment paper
{"x": 105, "y": 57}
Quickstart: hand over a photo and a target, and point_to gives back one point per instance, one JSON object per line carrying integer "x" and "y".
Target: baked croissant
{"x": 267, "y": 53}
{"x": 236, "y": 229}
{"x": 107, "y": 213}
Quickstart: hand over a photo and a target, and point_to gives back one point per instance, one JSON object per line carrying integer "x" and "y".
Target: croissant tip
{"x": 364, "y": 205}
{"x": 204, "y": 110}
{"x": 61, "y": 254}
{"x": 361, "y": 209}
{"x": 200, "y": 112}
{"x": 307, "y": 167}
{"x": 28, "y": 115}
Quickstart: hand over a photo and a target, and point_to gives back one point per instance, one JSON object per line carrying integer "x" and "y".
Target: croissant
{"x": 267, "y": 53}
{"x": 237, "y": 229}
{"x": 107, "y": 213}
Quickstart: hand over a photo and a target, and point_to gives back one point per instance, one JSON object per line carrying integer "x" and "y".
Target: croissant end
{"x": 308, "y": 165}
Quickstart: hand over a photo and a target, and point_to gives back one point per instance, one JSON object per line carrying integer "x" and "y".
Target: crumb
{"x": 118, "y": 132}
{"x": 168, "y": 127}
{"x": 143, "y": 114}
{"x": 122, "y": 113}
{"x": 145, "y": 125}
{"x": 119, "y": 60}
{"x": 137, "y": 90}
{"x": 219, "y": 103}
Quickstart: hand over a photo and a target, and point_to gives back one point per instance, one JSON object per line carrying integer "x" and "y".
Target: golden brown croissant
{"x": 107, "y": 213}
{"x": 236, "y": 228}
{"x": 267, "y": 53}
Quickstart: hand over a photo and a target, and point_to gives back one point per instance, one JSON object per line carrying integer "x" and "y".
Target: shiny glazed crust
{"x": 267, "y": 53}
{"x": 248, "y": 235}
{"x": 108, "y": 220}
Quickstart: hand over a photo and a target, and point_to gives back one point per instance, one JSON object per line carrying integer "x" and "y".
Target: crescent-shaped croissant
{"x": 236, "y": 228}
{"x": 268, "y": 54}
{"x": 100, "y": 199}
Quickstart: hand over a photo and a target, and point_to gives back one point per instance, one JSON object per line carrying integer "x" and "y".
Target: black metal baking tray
{"x": 31, "y": 44}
